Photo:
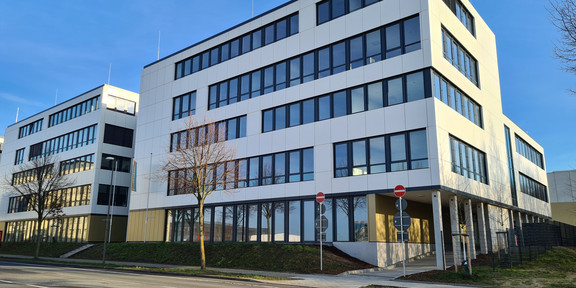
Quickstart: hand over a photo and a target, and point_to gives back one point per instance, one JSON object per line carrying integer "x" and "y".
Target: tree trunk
{"x": 38, "y": 236}
{"x": 202, "y": 250}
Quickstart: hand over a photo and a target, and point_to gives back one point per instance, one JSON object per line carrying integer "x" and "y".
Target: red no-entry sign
{"x": 320, "y": 197}
{"x": 399, "y": 191}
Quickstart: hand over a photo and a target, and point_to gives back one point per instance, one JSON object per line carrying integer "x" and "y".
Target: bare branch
{"x": 200, "y": 164}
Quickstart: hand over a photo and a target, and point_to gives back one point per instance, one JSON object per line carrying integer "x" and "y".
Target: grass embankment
{"x": 46, "y": 249}
{"x": 556, "y": 268}
{"x": 251, "y": 256}
{"x": 261, "y": 256}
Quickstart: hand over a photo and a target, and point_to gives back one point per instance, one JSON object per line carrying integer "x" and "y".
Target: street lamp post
{"x": 108, "y": 224}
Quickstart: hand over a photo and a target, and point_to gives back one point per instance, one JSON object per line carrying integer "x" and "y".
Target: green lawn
{"x": 556, "y": 268}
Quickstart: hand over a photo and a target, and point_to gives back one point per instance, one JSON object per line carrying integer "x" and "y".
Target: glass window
{"x": 356, "y": 51}
{"x": 269, "y": 34}
{"x": 281, "y": 29}
{"x": 324, "y": 62}
{"x": 267, "y": 170}
{"x": 233, "y": 94}
{"x": 195, "y": 64}
{"x": 309, "y": 226}
{"x": 280, "y": 118}
{"x": 225, "y": 51}
{"x": 308, "y": 111}
{"x": 323, "y": 12}
{"x": 214, "y": 53}
{"x": 268, "y": 120}
{"x": 373, "y": 47}
{"x": 359, "y": 158}
{"x": 242, "y": 126}
{"x": 341, "y": 159}
{"x": 232, "y": 132}
{"x": 254, "y": 166}
{"x": 257, "y": 39}
{"x": 295, "y": 171}
{"x": 308, "y": 164}
{"x": 205, "y": 60}
{"x": 338, "y": 8}
{"x": 395, "y": 91}
{"x": 393, "y": 43}
{"x": 245, "y": 87}
{"x": 218, "y": 223}
{"x": 234, "y": 48}
{"x": 418, "y": 149}
{"x": 358, "y": 101}
{"x": 377, "y": 155}
{"x": 256, "y": 89}
{"x": 252, "y": 218}
{"x": 339, "y": 56}
{"x": 294, "y": 223}
{"x": 308, "y": 67}
{"x": 412, "y": 34}
{"x": 415, "y": 86}
{"x": 294, "y": 114}
{"x": 279, "y": 217}
{"x": 246, "y": 42}
{"x": 228, "y": 223}
{"x": 281, "y": 76}
{"x": 266, "y": 221}
{"x": 324, "y": 107}
{"x": 268, "y": 79}
{"x": 354, "y": 4}
{"x": 375, "y": 96}
{"x": 360, "y": 219}
{"x": 295, "y": 71}
{"x": 340, "y": 105}
{"x": 279, "y": 168}
{"x": 342, "y": 207}
{"x": 398, "y": 153}
{"x": 294, "y": 24}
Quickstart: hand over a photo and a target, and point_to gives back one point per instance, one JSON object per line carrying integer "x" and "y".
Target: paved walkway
{"x": 353, "y": 279}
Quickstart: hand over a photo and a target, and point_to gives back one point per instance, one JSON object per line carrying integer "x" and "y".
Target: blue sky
{"x": 65, "y": 48}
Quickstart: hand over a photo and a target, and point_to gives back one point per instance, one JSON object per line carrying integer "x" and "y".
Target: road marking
{"x": 4, "y": 281}
{"x": 36, "y": 286}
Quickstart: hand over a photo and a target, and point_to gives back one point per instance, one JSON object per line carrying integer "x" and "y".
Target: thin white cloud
{"x": 20, "y": 100}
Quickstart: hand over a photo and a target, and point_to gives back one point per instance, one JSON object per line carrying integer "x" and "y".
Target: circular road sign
{"x": 401, "y": 204}
{"x": 320, "y": 197}
{"x": 399, "y": 191}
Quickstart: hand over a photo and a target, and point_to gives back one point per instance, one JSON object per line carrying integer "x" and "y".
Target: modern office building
{"x": 350, "y": 98}
{"x": 90, "y": 138}
{"x": 563, "y": 196}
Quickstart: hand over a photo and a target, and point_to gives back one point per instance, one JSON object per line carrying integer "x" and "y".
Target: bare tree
{"x": 200, "y": 164}
{"x": 38, "y": 183}
{"x": 563, "y": 15}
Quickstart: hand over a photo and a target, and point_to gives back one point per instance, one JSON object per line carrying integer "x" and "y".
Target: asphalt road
{"x": 16, "y": 275}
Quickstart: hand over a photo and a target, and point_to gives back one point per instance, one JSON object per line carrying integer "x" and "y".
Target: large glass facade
{"x": 353, "y": 100}
{"x": 468, "y": 161}
{"x": 461, "y": 59}
{"x": 457, "y": 100}
{"x": 529, "y": 152}
{"x": 290, "y": 221}
{"x": 322, "y": 62}
{"x": 67, "y": 229}
{"x": 387, "y": 153}
{"x": 255, "y": 171}
{"x": 66, "y": 142}
{"x": 250, "y": 41}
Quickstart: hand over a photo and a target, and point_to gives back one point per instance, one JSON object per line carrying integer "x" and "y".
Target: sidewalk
{"x": 353, "y": 279}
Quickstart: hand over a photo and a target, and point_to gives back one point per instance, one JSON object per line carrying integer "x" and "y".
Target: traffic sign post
{"x": 401, "y": 204}
{"x": 320, "y": 197}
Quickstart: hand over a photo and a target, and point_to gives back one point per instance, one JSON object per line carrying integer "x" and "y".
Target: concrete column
{"x": 438, "y": 230}
{"x": 455, "y": 228}
{"x": 470, "y": 227}
{"x": 482, "y": 228}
